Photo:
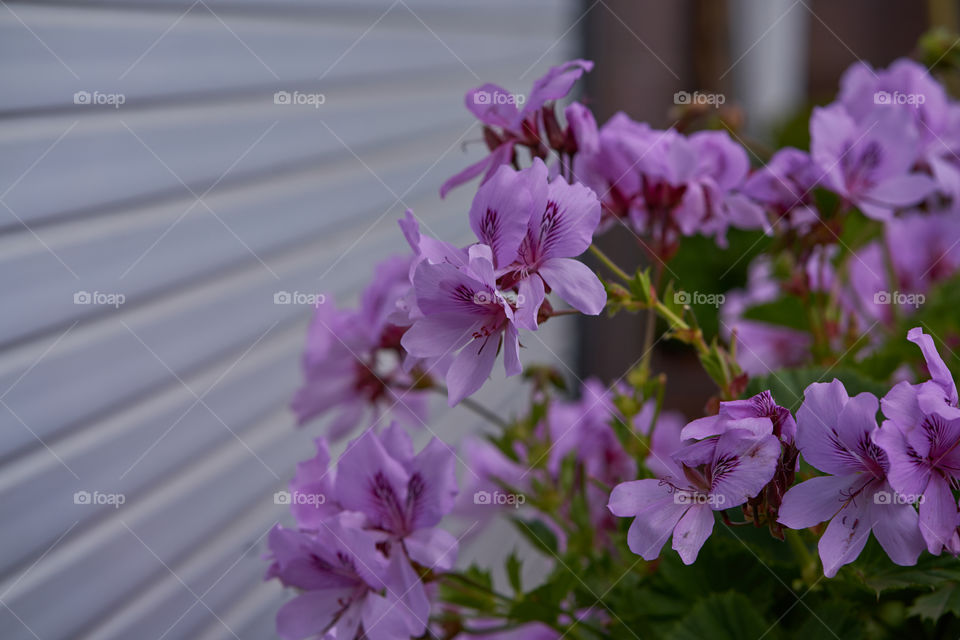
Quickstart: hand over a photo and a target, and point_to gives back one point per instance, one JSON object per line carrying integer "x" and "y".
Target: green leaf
{"x": 459, "y": 593}
{"x": 722, "y": 616}
{"x": 932, "y": 606}
{"x": 538, "y": 534}
{"x": 785, "y": 312}
{"x": 514, "y": 568}
{"x": 541, "y": 603}
{"x": 882, "y": 575}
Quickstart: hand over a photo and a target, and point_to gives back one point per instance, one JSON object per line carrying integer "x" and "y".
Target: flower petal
{"x": 500, "y": 213}
{"x": 432, "y": 489}
{"x": 896, "y": 528}
{"x": 845, "y": 537}
{"x": 692, "y": 531}
{"x": 309, "y": 613}
{"x": 818, "y": 427}
{"x": 938, "y": 515}
{"x": 818, "y": 499}
{"x": 471, "y": 368}
{"x": 433, "y": 548}
{"x": 575, "y": 283}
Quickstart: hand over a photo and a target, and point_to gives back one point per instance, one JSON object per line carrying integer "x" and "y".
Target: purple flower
{"x": 344, "y": 373}
{"x": 535, "y": 227}
{"x": 759, "y": 414}
{"x": 904, "y": 86}
{"x": 669, "y": 184}
{"x": 583, "y": 428}
{"x": 347, "y": 586}
{"x": 924, "y": 249}
{"x": 785, "y": 186}
{"x": 463, "y": 310}
{"x": 869, "y": 162}
{"x": 312, "y": 496}
{"x": 506, "y": 126}
{"x": 401, "y": 494}
{"x": 711, "y": 475}
{"x": 835, "y": 435}
{"x": 920, "y": 437}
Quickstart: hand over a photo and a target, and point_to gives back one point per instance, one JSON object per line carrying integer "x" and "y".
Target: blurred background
{"x": 178, "y": 178}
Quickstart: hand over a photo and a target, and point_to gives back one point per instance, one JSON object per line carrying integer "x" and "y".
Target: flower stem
{"x": 609, "y": 264}
{"x": 476, "y": 407}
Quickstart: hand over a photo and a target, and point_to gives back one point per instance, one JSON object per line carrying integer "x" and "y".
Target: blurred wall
{"x": 145, "y": 152}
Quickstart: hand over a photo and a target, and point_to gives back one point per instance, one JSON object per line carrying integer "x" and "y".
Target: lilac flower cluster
{"x": 665, "y": 184}
{"x": 894, "y": 480}
{"x": 887, "y": 147}
{"x": 353, "y": 360}
{"x": 364, "y": 539}
{"x": 731, "y": 459}
{"x": 474, "y": 301}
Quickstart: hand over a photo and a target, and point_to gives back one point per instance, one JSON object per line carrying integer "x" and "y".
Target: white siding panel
{"x": 198, "y": 199}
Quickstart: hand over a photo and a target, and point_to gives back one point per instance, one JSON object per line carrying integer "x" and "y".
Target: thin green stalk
{"x": 609, "y": 264}
{"x": 477, "y": 408}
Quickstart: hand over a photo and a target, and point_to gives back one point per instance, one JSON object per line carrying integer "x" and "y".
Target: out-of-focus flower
{"x": 761, "y": 347}
{"x": 870, "y": 162}
{"x": 341, "y": 575}
{"x": 785, "y": 186}
{"x": 351, "y": 366}
{"x": 402, "y": 495}
{"x": 507, "y": 126}
{"x": 668, "y": 184}
{"x": 835, "y": 436}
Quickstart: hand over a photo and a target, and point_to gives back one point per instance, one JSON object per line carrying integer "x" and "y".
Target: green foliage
{"x": 787, "y": 385}
{"x": 704, "y": 267}
{"x": 724, "y": 616}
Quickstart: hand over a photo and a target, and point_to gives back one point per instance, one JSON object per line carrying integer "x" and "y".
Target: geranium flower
{"x": 348, "y": 369}
{"x": 536, "y": 227}
{"x": 835, "y": 435}
{"x": 401, "y": 494}
{"x": 506, "y": 126}
{"x": 920, "y": 437}
{"x": 711, "y": 475}
{"x": 348, "y": 587}
{"x": 463, "y": 310}
{"x": 869, "y": 162}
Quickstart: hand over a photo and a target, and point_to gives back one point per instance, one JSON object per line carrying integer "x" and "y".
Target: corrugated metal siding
{"x": 198, "y": 199}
